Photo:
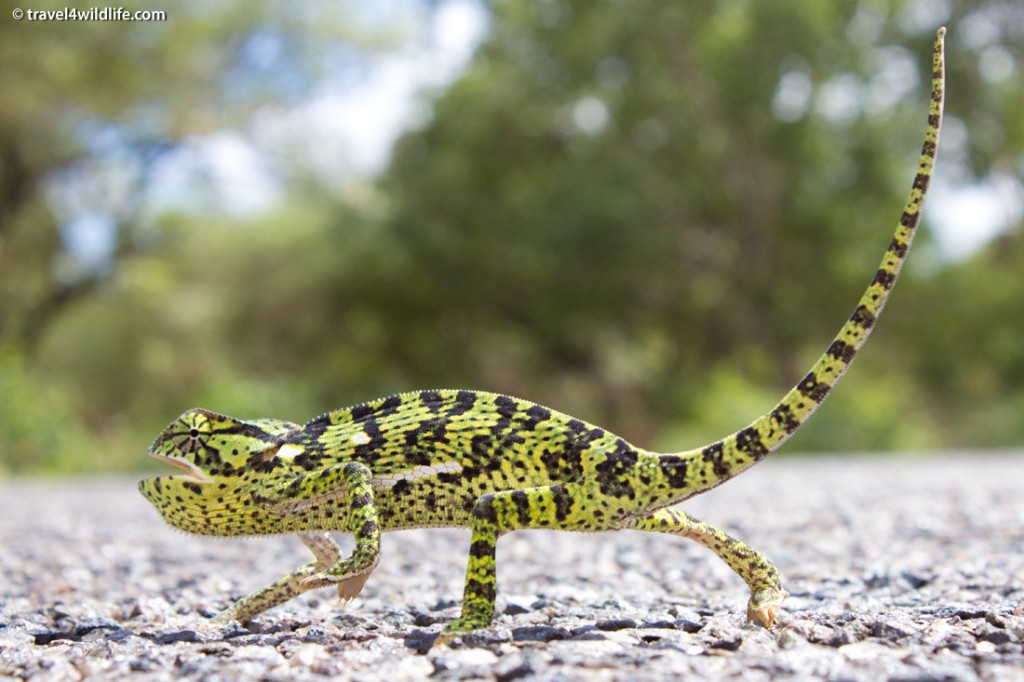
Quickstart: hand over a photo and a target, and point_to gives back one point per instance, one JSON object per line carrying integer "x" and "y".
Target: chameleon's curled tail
{"x": 720, "y": 461}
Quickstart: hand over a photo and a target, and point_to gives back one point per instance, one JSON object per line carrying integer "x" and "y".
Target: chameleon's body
{"x": 490, "y": 462}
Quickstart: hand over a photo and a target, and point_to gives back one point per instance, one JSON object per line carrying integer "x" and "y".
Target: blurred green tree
{"x": 91, "y": 106}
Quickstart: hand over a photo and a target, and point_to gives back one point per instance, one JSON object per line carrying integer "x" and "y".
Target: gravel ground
{"x": 909, "y": 569}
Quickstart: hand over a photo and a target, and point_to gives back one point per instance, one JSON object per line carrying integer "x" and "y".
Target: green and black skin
{"x": 486, "y": 461}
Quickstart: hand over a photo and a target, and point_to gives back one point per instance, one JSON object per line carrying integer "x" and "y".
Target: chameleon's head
{"x": 222, "y": 459}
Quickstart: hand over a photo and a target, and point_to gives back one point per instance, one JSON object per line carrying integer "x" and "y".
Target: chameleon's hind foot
{"x": 445, "y": 638}
{"x": 459, "y": 627}
{"x": 764, "y": 606}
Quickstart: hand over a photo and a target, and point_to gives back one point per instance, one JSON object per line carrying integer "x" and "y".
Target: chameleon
{"x": 490, "y": 462}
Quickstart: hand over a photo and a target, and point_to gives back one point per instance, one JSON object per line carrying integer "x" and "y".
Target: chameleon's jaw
{"x": 192, "y": 472}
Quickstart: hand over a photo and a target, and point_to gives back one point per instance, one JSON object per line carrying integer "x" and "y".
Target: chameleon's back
{"x": 434, "y": 453}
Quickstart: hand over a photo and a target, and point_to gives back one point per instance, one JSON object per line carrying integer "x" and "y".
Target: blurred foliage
{"x": 650, "y": 215}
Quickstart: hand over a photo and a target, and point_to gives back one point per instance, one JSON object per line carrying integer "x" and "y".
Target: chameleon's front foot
{"x": 349, "y": 587}
{"x": 764, "y": 605}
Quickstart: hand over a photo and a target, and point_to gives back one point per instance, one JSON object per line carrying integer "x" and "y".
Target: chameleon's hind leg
{"x": 326, "y": 551}
{"x": 766, "y": 593}
{"x": 493, "y": 515}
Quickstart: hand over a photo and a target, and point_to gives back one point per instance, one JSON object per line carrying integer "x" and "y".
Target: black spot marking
{"x": 464, "y": 402}
{"x": 195, "y": 488}
{"x": 485, "y": 590}
{"x": 898, "y": 248}
{"x": 749, "y": 441}
{"x": 783, "y": 416}
{"x": 483, "y": 509}
{"x": 812, "y": 388}
{"x": 261, "y": 463}
{"x": 553, "y": 462}
{"x": 451, "y": 478}
{"x": 431, "y": 400}
{"x": 713, "y": 454}
{"x": 538, "y": 414}
{"x": 673, "y": 468}
{"x": 313, "y": 429}
{"x": 522, "y": 504}
{"x": 360, "y": 412}
{"x": 367, "y": 452}
{"x": 416, "y": 457}
{"x": 307, "y": 462}
{"x": 842, "y": 351}
{"x": 401, "y": 488}
{"x": 613, "y": 473}
{"x": 481, "y": 548}
{"x": 563, "y": 502}
{"x": 863, "y": 317}
{"x": 480, "y": 445}
{"x": 885, "y": 278}
{"x": 506, "y": 406}
{"x": 510, "y": 440}
{"x": 391, "y": 403}
{"x": 427, "y": 434}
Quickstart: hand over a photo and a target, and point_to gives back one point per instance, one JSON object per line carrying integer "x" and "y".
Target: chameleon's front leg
{"x": 349, "y": 574}
{"x": 326, "y": 551}
{"x": 364, "y": 522}
{"x": 766, "y": 593}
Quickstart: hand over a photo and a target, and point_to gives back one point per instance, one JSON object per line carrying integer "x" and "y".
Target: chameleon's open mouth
{"x": 191, "y": 471}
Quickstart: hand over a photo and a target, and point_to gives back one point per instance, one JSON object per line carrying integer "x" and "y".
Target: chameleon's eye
{"x": 194, "y": 433}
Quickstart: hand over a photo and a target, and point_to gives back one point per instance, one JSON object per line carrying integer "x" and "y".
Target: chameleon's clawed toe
{"x": 764, "y": 606}
{"x": 349, "y": 588}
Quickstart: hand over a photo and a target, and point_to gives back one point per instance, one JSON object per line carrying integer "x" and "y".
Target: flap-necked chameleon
{"x": 490, "y": 462}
